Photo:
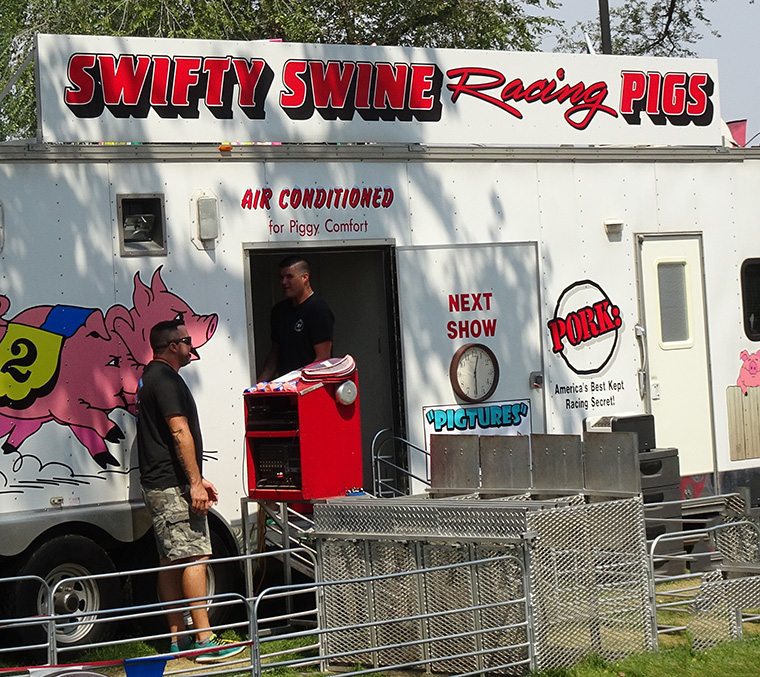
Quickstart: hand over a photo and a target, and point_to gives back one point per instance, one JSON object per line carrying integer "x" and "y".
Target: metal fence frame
{"x": 265, "y": 629}
{"x": 134, "y": 613}
{"x": 714, "y": 603}
{"x": 370, "y": 628}
{"x": 576, "y": 583}
{"x": 581, "y": 560}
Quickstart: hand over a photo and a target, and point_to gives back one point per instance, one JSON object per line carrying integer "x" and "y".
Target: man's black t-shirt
{"x": 163, "y": 393}
{"x": 296, "y": 330}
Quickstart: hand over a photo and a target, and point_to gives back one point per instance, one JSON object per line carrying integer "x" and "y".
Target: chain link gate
{"x": 583, "y": 568}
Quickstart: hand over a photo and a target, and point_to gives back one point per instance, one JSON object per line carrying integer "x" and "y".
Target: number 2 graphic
{"x": 17, "y": 368}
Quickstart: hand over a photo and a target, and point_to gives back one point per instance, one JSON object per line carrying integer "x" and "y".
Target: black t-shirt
{"x": 163, "y": 393}
{"x": 296, "y": 330}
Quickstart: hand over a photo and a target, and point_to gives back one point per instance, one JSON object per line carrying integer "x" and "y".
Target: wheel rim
{"x": 78, "y": 600}
{"x": 210, "y": 581}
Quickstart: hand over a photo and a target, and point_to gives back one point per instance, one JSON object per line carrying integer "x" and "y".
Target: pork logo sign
{"x": 585, "y": 327}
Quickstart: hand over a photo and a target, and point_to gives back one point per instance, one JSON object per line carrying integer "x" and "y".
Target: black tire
{"x": 58, "y": 559}
{"x": 222, "y": 578}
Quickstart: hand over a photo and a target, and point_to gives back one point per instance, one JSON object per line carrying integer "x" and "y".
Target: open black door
{"x": 359, "y": 284}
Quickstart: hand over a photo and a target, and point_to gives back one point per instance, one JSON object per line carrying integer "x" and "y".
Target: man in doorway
{"x": 301, "y": 324}
{"x": 178, "y": 497}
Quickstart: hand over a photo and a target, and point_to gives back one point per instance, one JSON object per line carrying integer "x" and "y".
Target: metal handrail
{"x": 379, "y": 462}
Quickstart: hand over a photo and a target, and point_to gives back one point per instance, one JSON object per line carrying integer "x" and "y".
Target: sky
{"x": 737, "y": 52}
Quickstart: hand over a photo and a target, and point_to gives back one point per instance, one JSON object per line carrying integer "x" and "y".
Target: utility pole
{"x": 604, "y": 22}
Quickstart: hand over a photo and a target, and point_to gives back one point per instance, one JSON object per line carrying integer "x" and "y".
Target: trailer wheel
{"x": 61, "y": 559}
{"x": 221, "y": 578}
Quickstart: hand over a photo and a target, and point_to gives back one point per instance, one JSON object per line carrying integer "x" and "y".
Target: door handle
{"x": 641, "y": 336}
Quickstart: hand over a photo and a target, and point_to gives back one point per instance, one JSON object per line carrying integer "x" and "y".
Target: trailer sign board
{"x": 511, "y": 417}
{"x": 153, "y": 90}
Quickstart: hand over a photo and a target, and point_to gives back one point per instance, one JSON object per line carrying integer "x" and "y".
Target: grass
{"x": 732, "y": 659}
{"x": 675, "y": 658}
{"x": 286, "y": 650}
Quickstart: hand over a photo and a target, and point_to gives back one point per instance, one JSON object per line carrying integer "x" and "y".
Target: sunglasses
{"x": 187, "y": 340}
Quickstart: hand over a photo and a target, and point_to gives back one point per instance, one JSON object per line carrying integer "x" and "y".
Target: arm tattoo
{"x": 177, "y": 436}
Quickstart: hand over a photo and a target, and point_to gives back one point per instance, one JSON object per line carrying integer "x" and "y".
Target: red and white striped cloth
{"x": 331, "y": 370}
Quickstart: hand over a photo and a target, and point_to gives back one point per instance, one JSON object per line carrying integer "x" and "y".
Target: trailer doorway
{"x": 678, "y": 383}
{"x": 359, "y": 284}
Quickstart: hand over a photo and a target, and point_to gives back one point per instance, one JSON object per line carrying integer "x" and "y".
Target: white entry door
{"x": 678, "y": 384}
{"x": 480, "y": 294}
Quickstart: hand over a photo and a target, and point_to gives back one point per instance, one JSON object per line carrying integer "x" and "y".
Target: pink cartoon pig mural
{"x": 76, "y": 365}
{"x": 153, "y": 304}
{"x": 749, "y": 375}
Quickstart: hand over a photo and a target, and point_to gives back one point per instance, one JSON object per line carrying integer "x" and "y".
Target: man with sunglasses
{"x": 178, "y": 497}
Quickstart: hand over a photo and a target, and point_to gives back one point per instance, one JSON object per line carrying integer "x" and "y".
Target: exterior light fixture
{"x": 613, "y": 226}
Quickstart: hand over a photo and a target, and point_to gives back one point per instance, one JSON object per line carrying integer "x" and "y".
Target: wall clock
{"x": 474, "y": 372}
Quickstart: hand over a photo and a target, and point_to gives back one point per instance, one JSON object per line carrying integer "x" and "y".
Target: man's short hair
{"x": 296, "y": 260}
{"x": 163, "y": 332}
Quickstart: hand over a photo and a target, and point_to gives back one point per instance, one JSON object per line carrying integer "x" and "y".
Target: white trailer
{"x": 577, "y": 221}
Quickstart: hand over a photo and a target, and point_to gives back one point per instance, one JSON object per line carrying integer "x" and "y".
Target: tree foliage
{"x": 480, "y": 24}
{"x": 644, "y": 27}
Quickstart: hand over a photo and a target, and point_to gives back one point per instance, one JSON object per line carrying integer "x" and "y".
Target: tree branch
{"x": 665, "y": 33}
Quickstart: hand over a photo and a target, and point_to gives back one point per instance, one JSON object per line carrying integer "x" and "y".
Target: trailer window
{"x": 142, "y": 228}
{"x": 750, "y": 279}
{"x": 674, "y": 311}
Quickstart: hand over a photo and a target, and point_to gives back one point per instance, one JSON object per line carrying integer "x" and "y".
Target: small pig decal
{"x": 749, "y": 375}
{"x": 76, "y": 365}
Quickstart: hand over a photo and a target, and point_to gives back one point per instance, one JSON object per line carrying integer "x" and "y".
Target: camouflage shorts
{"x": 180, "y": 533}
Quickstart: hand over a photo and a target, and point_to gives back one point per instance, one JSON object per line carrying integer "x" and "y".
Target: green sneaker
{"x": 184, "y": 644}
{"x": 216, "y": 649}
